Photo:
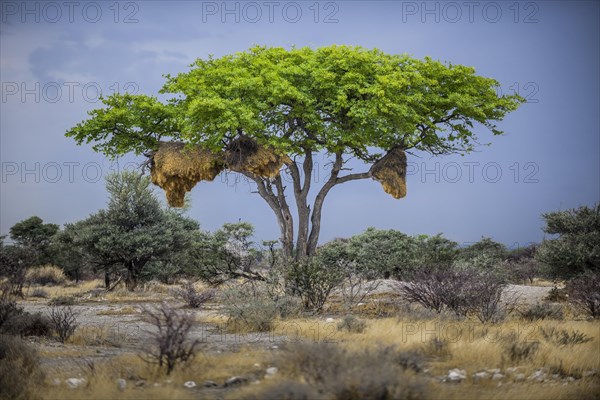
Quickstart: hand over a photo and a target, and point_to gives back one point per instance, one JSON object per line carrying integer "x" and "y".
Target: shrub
{"x": 12, "y": 267}
{"x": 577, "y": 247}
{"x": 352, "y": 324}
{"x": 312, "y": 281}
{"x": 64, "y": 322}
{"x": 249, "y": 311}
{"x": 192, "y": 297}
{"x": 563, "y": 337}
{"x": 286, "y": 390}
{"x": 557, "y": 295}
{"x": 543, "y": 311}
{"x": 27, "y": 324}
{"x": 171, "y": 344}
{"x": 45, "y": 275}
{"x": 520, "y": 351}
{"x": 460, "y": 290}
{"x": 8, "y": 309}
{"x": 19, "y": 368}
{"x": 437, "y": 349}
{"x": 340, "y": 374}
{"x": 62, "y": 301}
{"x": 38, "y": 292}
{"x": 585, "y": 293}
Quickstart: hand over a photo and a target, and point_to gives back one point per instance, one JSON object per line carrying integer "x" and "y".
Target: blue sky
{"x": 56, "y": 57}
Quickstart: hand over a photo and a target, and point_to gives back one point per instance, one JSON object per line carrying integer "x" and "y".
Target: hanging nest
{"x": 245, "y": 155}
{"x": 390, "y": 171}
{"x": 177, "y": 169}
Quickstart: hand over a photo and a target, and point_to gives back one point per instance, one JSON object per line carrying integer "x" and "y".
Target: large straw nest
{"x": 177, "y": 168}
{"x": 390, "y": 171}
{"x": 245, "y": 155}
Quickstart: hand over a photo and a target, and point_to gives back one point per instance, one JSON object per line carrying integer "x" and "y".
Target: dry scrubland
{"x": 390, "y": 349}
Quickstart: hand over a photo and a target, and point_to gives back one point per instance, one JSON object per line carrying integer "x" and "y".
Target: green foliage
{"x": 584, "y": 291}
{"x": 226, "y": 254}
{"x": 313, "y": 281}
{"x": 133, "y": 231}
{"x": 35, "y": 237}
{"x": 128, "y": 123}
{"x": 577, "y": 247}
{"x": 485, "y": 254}
{"x": 387, "y": 252}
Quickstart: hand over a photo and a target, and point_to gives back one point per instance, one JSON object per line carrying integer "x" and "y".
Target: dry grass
{"x": 127, "y": 310}
{"x": 468, "y": 345}
{"x": 66, "y": 290}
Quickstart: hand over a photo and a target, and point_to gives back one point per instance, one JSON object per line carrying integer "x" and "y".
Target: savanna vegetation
{"x": 138, "y": 301}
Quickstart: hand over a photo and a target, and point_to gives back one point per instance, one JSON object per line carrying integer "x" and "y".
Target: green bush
{"x": 312, "y": 281}
{"x": 584, "y": 291}
{"x": 248, "y": 311}
{"x": 577, "y": 247}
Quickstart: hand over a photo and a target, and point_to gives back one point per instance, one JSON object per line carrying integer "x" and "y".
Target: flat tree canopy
{"x": 257, "y": 111}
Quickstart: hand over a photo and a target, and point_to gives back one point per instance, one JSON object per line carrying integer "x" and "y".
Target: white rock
{"x": 74, "y": 383}
{"x": 480, "y": 376}
{"x": 494, "y": 371}
{"x": 190, "y": 384}
{"x": 538, "y": 375}
{"x": 456, "y": 375}
{"x": 329, "y": 320}
{"x": 271, "y": 371}
{"x": 497, "y": 376}
{"x": 519, "y": 377}
{"x": 121, "y": 384}
{"x": 256, "y": 364}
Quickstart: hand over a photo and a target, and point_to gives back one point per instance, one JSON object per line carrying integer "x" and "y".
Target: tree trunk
{"x": 106, "y": 279}
{"x": 309, "y": 224}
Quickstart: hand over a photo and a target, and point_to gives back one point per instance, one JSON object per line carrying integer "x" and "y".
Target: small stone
{"x": 494, "y": 371}
{"x": 256, "y": 364}
{"x": 140, "y": 383}
{"x": 456, "y": 375}
{"x": 538, "y": 375}
{"x": 497, "y": 376}
{"x": 480, "y": 376}
{"x": 74, "y": 383}
{"x": 570, "y": 379}
{"x": 235, "y": 380}
{"x": 121, "y": 384}
{"x": 589, "y": 373}
{"x": 209, "y": 384}
{"x": 555, "y": 376}
{"x": 271, "y": 371}
{"x": 329, "y": 319}
{"x": 156, "y": 384}
{"x": 275, "y": 347}
{"x": 190, "y": 384}
{"x": 519, "y": 377}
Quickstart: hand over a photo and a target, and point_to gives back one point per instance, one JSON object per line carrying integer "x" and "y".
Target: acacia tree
{"x": 348, "y": 102}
